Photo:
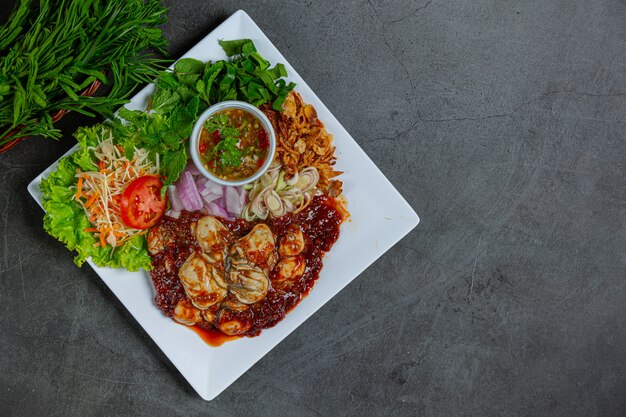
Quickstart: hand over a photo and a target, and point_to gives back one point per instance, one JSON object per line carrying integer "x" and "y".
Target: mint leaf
{"x": 235, "y": 47}
{"x": 188, "y": 66}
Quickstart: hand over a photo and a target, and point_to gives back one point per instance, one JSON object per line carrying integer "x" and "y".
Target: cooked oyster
{"x": 208, "y": 315}
{"x": 203, "y": 280}
{"x": 234, "y": 305}
{"x": 186, "y": 313}
{"x": 248, "y": 283}
{"x": 288, "y": 271}
{"x": 158, "y": 240}
{"x": 292, "y": 243}
{"x": 251, "y": 257}
{"x": 212, "y": 236}
{"x": 232, "y": 325}
{"x": 255, "y": 247}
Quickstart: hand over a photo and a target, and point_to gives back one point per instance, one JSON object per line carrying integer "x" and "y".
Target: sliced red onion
{"x": 210, "y": 197}
{"x": 202, "y": 189}
{"x": 195, "y": 192}
{"x": 175, "y": 202}
{"x": 232, "y": 201}
{"x": 211, "y": 187}
{"x": 221, "y": 201}
{"x": 188, "y": 192}
{"x": 217, "y": 210}
{"x": 192, "y": 169}
{"x": 214, "y": 187}
{"x": 201, "y": 181}
{"x": 242, "y": 196}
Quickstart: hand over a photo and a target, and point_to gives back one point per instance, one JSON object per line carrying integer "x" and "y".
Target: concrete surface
{"x": 501, "y": 122}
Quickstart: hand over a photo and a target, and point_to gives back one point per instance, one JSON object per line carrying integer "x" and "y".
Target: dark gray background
{"x": 501, "y": 122}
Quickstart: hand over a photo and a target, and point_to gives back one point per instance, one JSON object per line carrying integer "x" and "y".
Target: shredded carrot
{"x": 90, "y": 229}
{"x": 79, "y": 188}
{"x": 92, "y": 199}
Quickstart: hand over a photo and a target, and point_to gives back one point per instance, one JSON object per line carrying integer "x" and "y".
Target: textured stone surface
{"x": 503, "y": 125}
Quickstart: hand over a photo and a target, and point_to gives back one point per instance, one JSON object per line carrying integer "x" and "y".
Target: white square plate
{"x": 380, "y": 217}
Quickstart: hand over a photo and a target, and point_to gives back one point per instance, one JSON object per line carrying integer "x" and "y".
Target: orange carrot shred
{"x": 92, "y": 200}
{"x": 79, "y": 192}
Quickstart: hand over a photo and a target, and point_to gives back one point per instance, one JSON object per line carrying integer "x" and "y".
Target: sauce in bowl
{"x": 233, "y": 144}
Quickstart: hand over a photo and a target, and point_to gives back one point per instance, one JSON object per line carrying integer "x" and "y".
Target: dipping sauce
{"x": 233, "y": 144}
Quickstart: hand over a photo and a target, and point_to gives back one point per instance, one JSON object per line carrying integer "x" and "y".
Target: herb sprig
{"x": 226, "y": 150}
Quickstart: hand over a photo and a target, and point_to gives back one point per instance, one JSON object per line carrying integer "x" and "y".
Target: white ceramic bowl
{"x": 225, "y": 105}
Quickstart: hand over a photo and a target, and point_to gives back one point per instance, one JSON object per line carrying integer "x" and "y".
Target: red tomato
{"x": 142, "y": 203}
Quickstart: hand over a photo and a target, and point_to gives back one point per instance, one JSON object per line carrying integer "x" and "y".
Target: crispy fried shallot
{"x": 302, "y": 141}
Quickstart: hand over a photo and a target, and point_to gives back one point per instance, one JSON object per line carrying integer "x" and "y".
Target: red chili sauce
{"x": 319, "y": 222}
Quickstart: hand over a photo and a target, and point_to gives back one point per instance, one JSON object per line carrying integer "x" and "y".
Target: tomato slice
{"x": 142, "y": 204}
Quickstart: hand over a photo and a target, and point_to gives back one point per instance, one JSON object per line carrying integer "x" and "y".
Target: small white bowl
{"x": 225, "y": 105}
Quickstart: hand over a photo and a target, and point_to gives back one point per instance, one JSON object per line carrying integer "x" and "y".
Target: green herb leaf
{"x": 234, "y": 47}
{"x": 188, "y": 66}
{"x": 174, "y": 163}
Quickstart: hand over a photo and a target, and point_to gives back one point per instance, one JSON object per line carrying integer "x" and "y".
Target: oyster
{"x": 292, "y": 243}
{"x": 203, "y": 280}
{"x": 288, "y": 271}
{"x": 158, "y": 239}
{"x": 248, "y": 283}
{"x": 208, "y": 315}
{"x": 251, "y": 257}
{"x": 186, "y": 313}
{"x": 233, "y": 325}
{"x": 255, "y": 247}
{"x": 212, "y": 237}
{"x": 234, "y": 305}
